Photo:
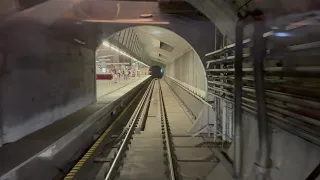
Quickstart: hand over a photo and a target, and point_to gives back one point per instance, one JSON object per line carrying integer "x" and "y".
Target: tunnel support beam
{"x": 259, "y": 53}
{"x": 238, "y": 138}
{"x": 224, "y": 120}
{"x": 215, "y": 128}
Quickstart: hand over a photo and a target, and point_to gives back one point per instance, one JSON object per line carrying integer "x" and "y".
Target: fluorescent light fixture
{"x": 79, "y": 41}
{"x": 145, "y": 15}
{"x": 127, "y": 21}
{"x": 118, "y": 63}
{"x": 156, "y": 32}
{"x": 104, "y": 56}
{"x": 281, "y": 34}
{"x": 106, "y": 44}
{"x": 122, "y": 52}
{"x": 114, "y": 48}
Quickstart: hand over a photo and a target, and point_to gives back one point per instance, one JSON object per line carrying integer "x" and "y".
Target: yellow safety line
{"x": 84, "y": 159}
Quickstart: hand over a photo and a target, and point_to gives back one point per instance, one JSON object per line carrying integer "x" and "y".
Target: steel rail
{"x": 134, "y": 118}
{"x": 167, "y": 138}
{"x": 142, "y": 120}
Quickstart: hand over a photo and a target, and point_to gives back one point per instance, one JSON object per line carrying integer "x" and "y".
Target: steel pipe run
{"x": 285, "y": 112}
{"x": 276, "y": 109}
{"x": 259, "y": 53}
{"x": 286, "y": 123}
{"x": 270, "y": 93}
{"x": 289, "y": 121}
{"x": 302, "y": 69}
{"x": 238, "y": 134}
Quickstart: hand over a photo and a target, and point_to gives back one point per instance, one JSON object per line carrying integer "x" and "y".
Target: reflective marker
{"x": 281, "y": 34}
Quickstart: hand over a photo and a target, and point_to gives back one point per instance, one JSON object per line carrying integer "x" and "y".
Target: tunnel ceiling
{"x": 65, "y": 17}
{"x": 161, "y": 44}
{"x": 95, "y": 20}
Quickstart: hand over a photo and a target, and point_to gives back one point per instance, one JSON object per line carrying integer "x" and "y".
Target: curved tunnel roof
{"x": 161, "y": 45}
{"x": 82, "y": 21}
{"x": 65, "y": 15}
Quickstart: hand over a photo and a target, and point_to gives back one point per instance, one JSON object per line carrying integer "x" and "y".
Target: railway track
{"x": 152, "y": 154}
{"x": 171, "y": 160}
{"x": 153, "y": 144}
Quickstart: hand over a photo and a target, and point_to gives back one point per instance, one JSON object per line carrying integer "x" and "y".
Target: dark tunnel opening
{"x": 156, "y": 72}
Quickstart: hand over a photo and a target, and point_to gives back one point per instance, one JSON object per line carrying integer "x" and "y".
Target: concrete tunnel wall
{"x": 43, "y": 79}
{"x": 189, "y": 71}
{"x": 39, "y": 84}
{"x": 198, "y": 33}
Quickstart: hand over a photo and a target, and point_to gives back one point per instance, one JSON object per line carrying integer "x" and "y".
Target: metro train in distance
{"x": 156, "y": 72}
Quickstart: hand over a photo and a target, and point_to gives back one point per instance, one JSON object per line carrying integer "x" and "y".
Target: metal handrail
{"x": 190, "y": 92}
{"x": 126, "y": 139}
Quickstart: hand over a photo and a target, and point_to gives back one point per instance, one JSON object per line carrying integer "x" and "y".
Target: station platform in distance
{"x": 105, "y": 87}
{"x": 71, "y": 134}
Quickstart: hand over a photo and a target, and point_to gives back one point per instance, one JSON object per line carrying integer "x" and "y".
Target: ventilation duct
{"x": 166, "y": 47}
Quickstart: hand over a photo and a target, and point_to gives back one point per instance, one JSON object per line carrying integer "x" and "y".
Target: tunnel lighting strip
{"x": 122, "y": 52}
